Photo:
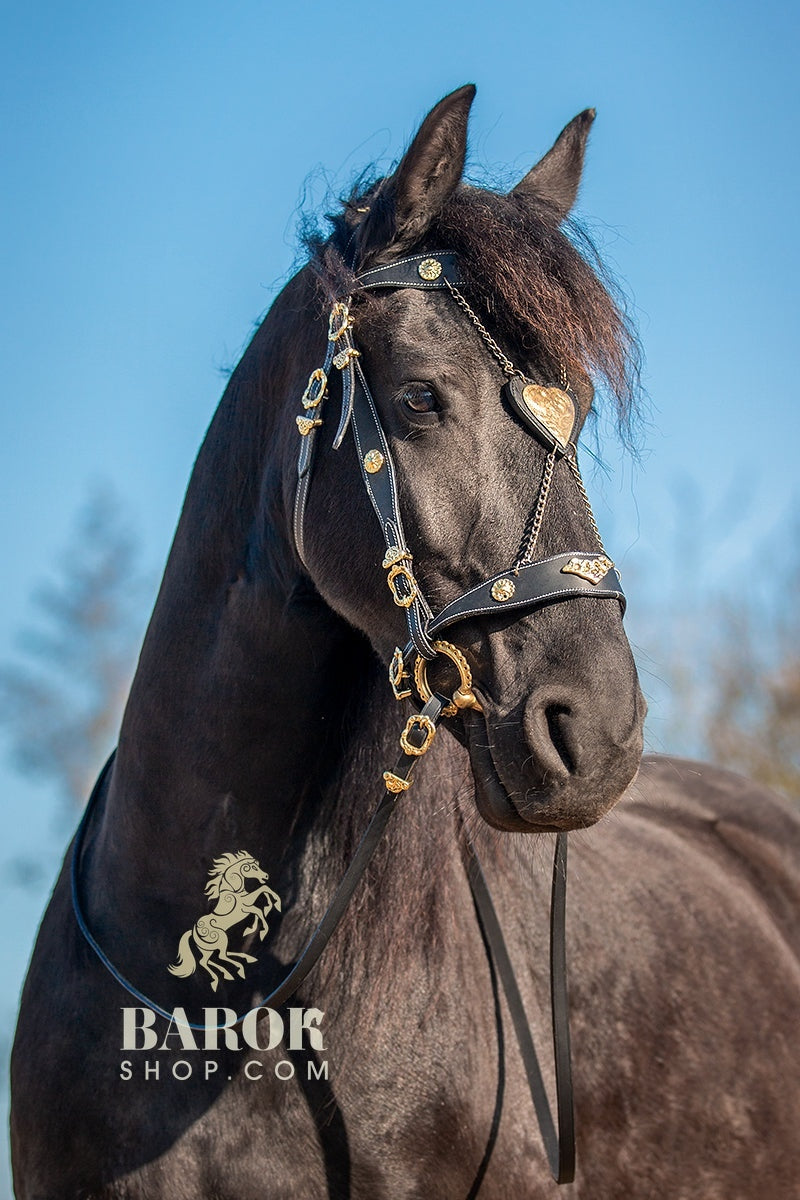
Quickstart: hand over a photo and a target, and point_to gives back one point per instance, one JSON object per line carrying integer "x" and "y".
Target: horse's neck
{"x": 256, "y": 713}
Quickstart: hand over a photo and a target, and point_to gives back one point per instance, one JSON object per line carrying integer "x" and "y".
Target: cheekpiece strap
{"x": 378, "y": 474}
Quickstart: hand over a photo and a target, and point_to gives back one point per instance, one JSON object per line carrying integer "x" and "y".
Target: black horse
{"x": 259, "y": 727}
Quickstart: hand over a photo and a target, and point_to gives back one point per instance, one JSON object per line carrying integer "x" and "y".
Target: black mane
{"x": 539, "y": 283}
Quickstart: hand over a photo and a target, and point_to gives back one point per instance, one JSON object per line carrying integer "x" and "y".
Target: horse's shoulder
{"x": 705, "y": 820}
{"x": 684, "y": 793}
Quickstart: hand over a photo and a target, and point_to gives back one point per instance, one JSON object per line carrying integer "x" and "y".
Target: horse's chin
{"x": 498, "y": 803}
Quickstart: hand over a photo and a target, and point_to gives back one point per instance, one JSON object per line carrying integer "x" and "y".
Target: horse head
{"x": 555, "y": 734}
{"x": 231, "y": 873}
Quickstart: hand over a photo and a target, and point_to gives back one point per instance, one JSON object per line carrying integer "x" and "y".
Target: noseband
{"x": 550, "y": 413}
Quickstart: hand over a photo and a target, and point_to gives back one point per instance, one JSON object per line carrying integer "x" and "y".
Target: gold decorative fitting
{"x": 429, "y": 268}
{"x": 590, "y": 569}
{"x": 503, "y": 589}
{"x": 402, "y": 600}
{"x": 394, "y": 783}
{"x": 463, "y": 696}
{"x": 418, "y": 721}
{"x": 315, "y": 389}
{"x": 554, "y": 408}
{"x": 397, "y": 674}
{"x": 305, "y": 425}
{"x": 339, "y": 321}
{"x": 373, "y": 461}
{"x": 395, "y": 554}
{"x": 341, "y": 359}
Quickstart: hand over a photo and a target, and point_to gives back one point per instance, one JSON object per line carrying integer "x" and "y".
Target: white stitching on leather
{"x": 603, "y": 594}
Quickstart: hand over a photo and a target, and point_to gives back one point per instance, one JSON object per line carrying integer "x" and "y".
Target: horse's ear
{"x": 428, "y": 173}
{"x": 557, "y": 176}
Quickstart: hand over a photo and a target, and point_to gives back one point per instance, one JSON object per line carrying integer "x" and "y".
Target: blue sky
{"x": 155, "y": 158}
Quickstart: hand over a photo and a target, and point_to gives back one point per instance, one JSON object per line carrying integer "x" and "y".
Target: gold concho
{"x": 590, "y": 569}
{"x": 429, "y": 268}
{"x": 418, "y": 721}
{"x": 502, "y": 589}
{"x": 373, "y": 461}
{"x": 554, "y": 408}
{"x": 394, "y": 783}
{"x": 463, "y": 696}
{"x": 305, "y": 425}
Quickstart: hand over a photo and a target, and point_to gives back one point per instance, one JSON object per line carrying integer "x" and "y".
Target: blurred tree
{"x": 61, "y": 703}
{"x": 753, "y": 725}
{"x": 731, "y": 666}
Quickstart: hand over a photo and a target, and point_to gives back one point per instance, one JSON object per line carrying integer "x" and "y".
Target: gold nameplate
{"x": 590, "y": 569}
{"x": 553, "y": 408}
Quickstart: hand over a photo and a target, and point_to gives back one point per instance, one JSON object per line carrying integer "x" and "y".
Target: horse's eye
{"x": 418, "y": 398}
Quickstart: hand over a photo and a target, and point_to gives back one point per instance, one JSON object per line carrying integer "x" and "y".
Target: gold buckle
{"x": 463, "y": 696}
{"x": 397, "y": 673}
{"x": 418, "y": 721}
{"x": 339, "y": 313}
{"x": 315, "y": 389}
{"x": 400, "y": 569}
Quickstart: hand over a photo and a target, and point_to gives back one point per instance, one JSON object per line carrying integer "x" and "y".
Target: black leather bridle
{"x": 524, "y": 586}
{"x": 528, "y": 585}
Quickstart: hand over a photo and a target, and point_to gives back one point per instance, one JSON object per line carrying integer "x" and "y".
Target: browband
{"x": 423, "y": 271}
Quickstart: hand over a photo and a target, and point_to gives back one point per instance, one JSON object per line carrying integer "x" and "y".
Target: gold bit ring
{"x": 463, "y": 696}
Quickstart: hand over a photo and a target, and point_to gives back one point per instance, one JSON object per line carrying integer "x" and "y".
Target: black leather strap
{"x": 559, "y": 1144}
{"x": 540, "y": 582}
{"x": 417, "y": 271}
{"x": 381, "y": 486}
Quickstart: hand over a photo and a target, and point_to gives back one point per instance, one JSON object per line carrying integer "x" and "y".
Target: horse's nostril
{"x": 559, "y": 727}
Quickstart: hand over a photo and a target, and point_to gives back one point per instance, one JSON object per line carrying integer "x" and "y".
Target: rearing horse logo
{"x": 227, "y": 885}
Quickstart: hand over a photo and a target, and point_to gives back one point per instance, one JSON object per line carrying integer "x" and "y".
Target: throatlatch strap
{"x": 559, "y": 1143}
